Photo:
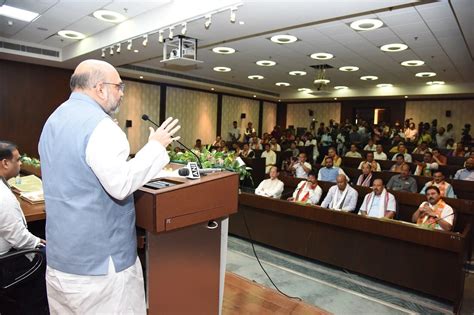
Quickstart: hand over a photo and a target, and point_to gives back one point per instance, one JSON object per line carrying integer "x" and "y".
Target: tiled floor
{"x": 333, "y": 289}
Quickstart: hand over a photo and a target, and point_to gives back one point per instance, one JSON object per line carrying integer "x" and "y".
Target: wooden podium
{"x": 183, "y": 240}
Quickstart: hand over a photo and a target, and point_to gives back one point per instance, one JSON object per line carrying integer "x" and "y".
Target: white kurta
{"x": 270, "y": 188}
{"x": 270, "y": 160}
{"x": 303, "y": 189}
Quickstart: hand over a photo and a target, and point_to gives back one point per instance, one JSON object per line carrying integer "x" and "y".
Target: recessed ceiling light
{"x": 406, "y": 96}
{"x": 322, "y": 56}
{"x": 255, "y": 96}
{"x": 222, "y": 69}
{"x": 136, "y": 51}
{"x": 298, "y": 73}
{"x": 369, "y": 78}
{"x": 266, "y": 63}
{"x": 71, "y": 34}
{"x": 283, "y": 39}
{"x": 18, "y": 14}
{"x": 394, "y": 47}
{"x": 384, "y": 85}
{"x": 435, "y": 82}
{"x": 412, "y": 63}
{"x": 282, "y": 84}
{"x": 141, "y": 77}
{"x": 304, "y": 90}
{"x": 425, "y": 74}
{"x": 109, "y": 16}
{"x": 241, "y": 22}
{"x": 335, "y": 98}
{"x": 340, "y": 87}
{"x": 223, "y": 50}
{"x": 212, "y": 89}
{"x": 321, "y": 81}
{"x": 255, "y": 77}
{"x": 366, "y": 24}
{"x": 349, "y": 68}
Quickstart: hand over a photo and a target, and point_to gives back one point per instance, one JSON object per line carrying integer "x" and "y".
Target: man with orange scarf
{"x": 445, "y": 188}
{"x": 307, "y": 191}
{"x": 434, "y": 213}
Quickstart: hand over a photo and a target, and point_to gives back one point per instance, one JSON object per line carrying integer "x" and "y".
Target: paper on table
{"x": 28, "y": 183}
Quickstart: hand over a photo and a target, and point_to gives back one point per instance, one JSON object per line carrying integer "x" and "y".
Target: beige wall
{"x": 297, "y": 114}
{"x": 139, "y": 99}
{"x": 269, "y": 116}
{"x": 232, "y": 107}
{"x": 462, "y": 112}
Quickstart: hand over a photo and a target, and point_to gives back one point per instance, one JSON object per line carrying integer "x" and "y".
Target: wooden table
{"x": 33, "y": 212}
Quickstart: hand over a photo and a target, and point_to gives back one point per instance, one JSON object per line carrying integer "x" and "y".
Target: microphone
{"x": 146, "y": 118}
{"x": 439, "y": 219}
{"x": 185, "y": 171}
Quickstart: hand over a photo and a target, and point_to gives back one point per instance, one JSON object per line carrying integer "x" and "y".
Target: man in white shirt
{"x": 14, "y": 234}
{"x": 270, "y": 158}
{"x": 379, "y": 203}
{"x": 427, "y": 167}
{"x": 234, "y": 132}
{"x": 300, "y": 167}
{"x": 307, "y": 191}
{"x": 272, "y": 187}
{"x": 341, "y": 196}
{"x": 274, "y": 146}
{"x": 402, "y": 150}
{"x": 379, "y": 154}
{"x": 353, "y": 153}
{"x": 369, "y": 158}
{"x": 434, "y": 213}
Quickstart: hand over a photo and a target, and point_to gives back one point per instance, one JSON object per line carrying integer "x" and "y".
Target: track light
{"x": 111, "y": 51}
{"x": 184, "y": 28}
{"x": 160, "y": 36}
{"x": 103, "y": 53}
{"x": 208, "y": 22}
{"x": 171, "y": 35}
{"x": 232, "y": 14}
{"x": 145, "y": 40}
{"x": 129, "y": 46}
{"x": 119, "y": 48}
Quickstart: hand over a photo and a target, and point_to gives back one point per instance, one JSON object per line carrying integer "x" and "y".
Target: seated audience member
{"x": 329, "y": 172}
{"x": 403, "y": 150}
{"x": 246, "y": 152}
{"x": 445, "y": 188}
{"x": 300, "y": 167}
{"x": 352, "y": 153}
{"x": 434, "y": 213}
{"x": 422, "y": 148}
{"x": 370, "y": 146}
{"x": 379, "y": 154}
{"x": 310, "y": 141}
{"x": 441, "y": 138}
{"x": 294, "y": 150}
{"x": 274, "y": 146}
{"x": 425, "y": 137}
{"x": 218, "y": 142}
{"x": 369, "y": 158}
{"x": 459, "y": 150}
{"x": 307, "y": 191}
{"x": 399, "y": 161}
{"x": 403, "y": 181}
{"x": 336, "y": 160}
{"x": 426, "y": 167}
{"x": 450, "y": 144}
{"x": 177, "y": 150}
{"x": 299, "y": 142}
{"x": 439, "y": 158}
{"x": 272, "y": 187}
{"x": 255, "y": 143}
{"x": 14, "y": 235}
{"x": 198, "y": 145}
{"x": 466, "y": 173}
{"x": 365, "y": 179}
{"x": 341, "y": 196}
{"x": 411, "y": 133}
{"x": 270, "y": 158}
{"x": 236, "y": 148}
{"x": 395, "y": 143}
{"x": 379, "y": 203}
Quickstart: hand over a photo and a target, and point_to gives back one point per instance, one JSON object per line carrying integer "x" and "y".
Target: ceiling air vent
{"x": 8, "y": 46}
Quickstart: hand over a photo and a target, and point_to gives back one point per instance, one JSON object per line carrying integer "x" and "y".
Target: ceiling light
{"x": 71, "y": 34}
{"x": 223, "y": 50}
{"x": 184, "y": 28}
{"x": 255, "y": 96}
{"x": 366, "y": 24}
{"x": 322, "y": 56}
{"x": 241, "y": 22}
{"x": 297, "y": 73}
{"x": 282, "y": 84}
{"x": 212, "y": 89}
{"x": 283, "y": 39}
{"x": 340, "y": 87}
{"x": 145, "y": 40}
{"x": 306, "y": 90}
{"x": 111, "y": 51}
{"x": 321, "y": 81}
{"x": 384, "y": 85}
{"x": 171, "y": 34}
{"x": 136, "y": 51}
{"x": 103, "y": 53}
{"x": 18, "y": 14}
{"x": 335, "y": 98}
{"x": 266, "y": 63}
{"x": 412, "y": 63}
{"x": 255, "y": 77}
{"x": 222, "y": 69}
{"x": 425, "y": 74}
{"x": 349, "y": 68}
{"x": 208, "y": 22}
{"x": 232, "y": 14}
{"x": 435, "y": 82}
{"x": 394, "y": 47}
{"x": 160, "y": 36}
{"x": 141, "y": 77}
{"x": 369, "y": 78}
{"x": 406, "y": 96}
{"x": 109, "y": 16}
{"x": 129, "y": 46}
{"x": 119, "y": 48}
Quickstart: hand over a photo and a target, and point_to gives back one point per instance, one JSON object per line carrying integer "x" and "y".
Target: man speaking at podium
{"x": 88, "y": 185}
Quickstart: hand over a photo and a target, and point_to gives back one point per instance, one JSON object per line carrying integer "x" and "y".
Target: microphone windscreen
{"x": 183, "y": 171}
{"x": 145, "y": 117}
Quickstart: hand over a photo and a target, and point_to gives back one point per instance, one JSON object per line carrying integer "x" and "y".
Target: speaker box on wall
{"x": 128, "y": 123}
{"x": 242, "y": 116}
{"x": 448, "y": 113}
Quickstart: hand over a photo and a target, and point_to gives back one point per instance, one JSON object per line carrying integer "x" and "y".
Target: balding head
{"x": 341, "y": 181}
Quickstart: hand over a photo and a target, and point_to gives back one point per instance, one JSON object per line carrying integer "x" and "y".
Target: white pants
{"x": 115, "y": 293}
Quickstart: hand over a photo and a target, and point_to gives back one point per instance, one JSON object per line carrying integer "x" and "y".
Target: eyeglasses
{"x": 120, "y": 85}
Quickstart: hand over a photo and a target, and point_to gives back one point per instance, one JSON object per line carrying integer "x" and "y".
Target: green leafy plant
{"x": 26, "y": 160}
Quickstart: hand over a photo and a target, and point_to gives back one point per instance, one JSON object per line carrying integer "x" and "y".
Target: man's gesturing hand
{"x": 164, "y": 134}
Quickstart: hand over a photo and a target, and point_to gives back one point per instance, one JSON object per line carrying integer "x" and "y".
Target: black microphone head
{"x": 183, "y": 171}
{"x": 145, "y": 117}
